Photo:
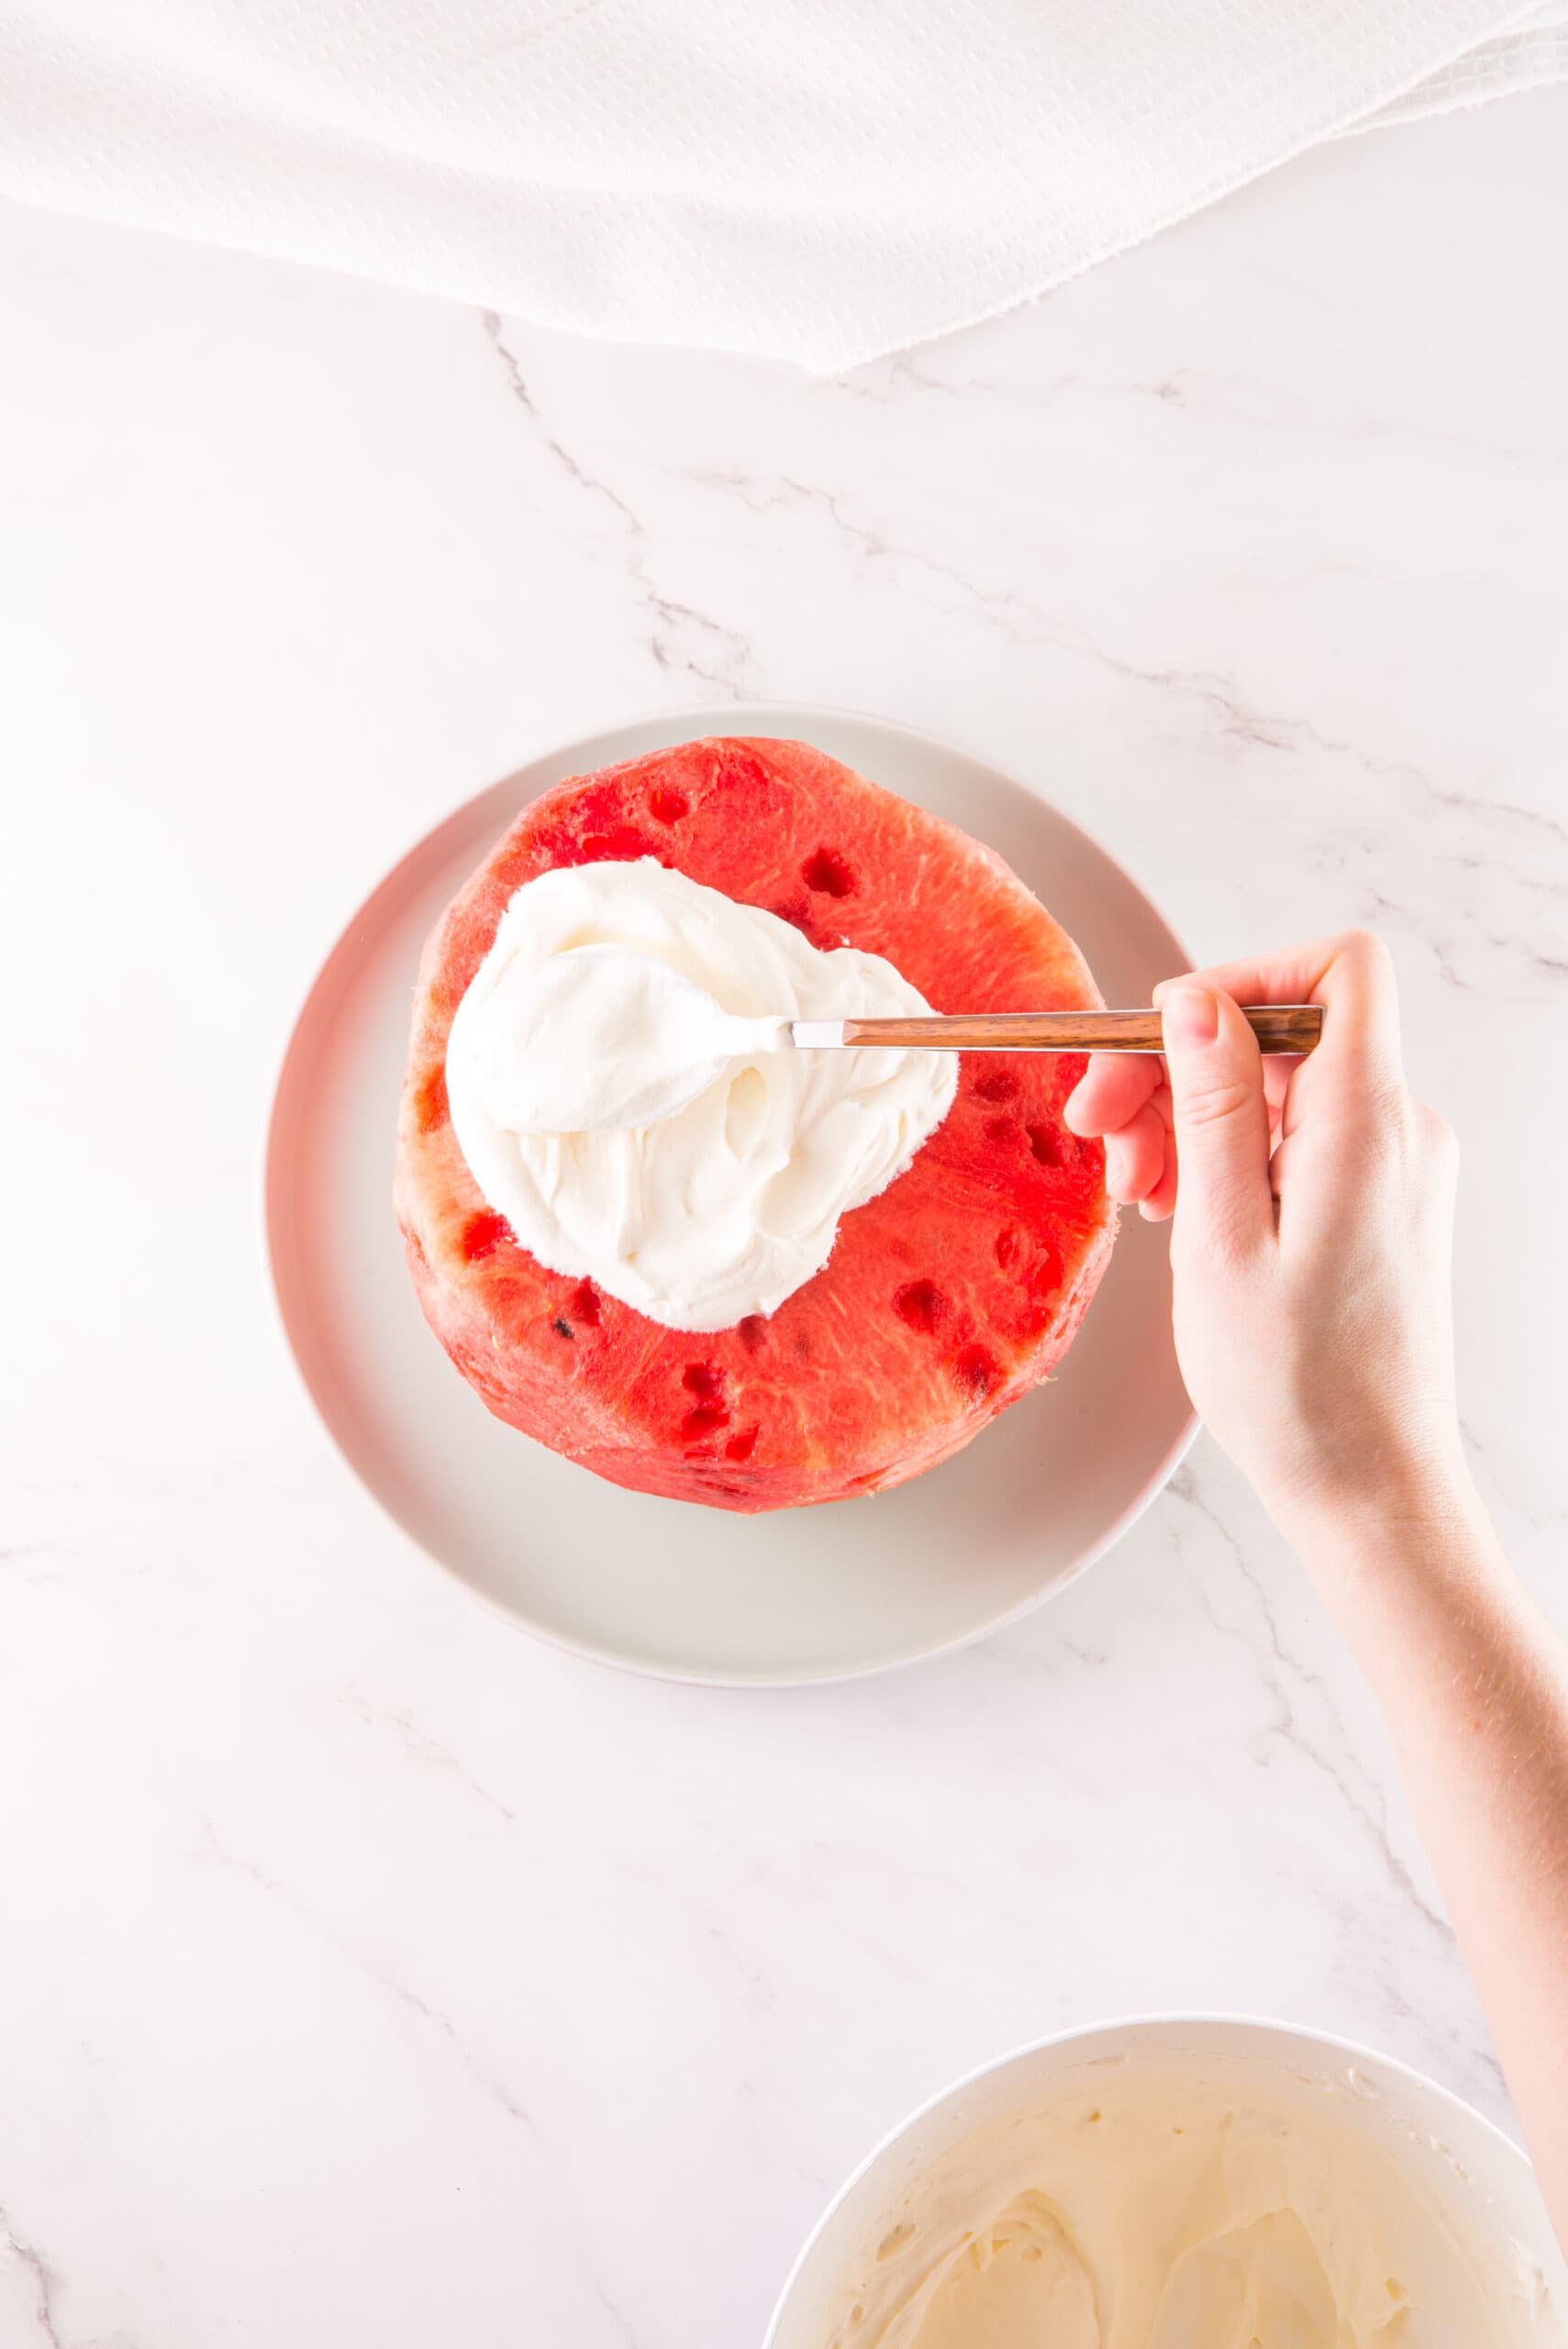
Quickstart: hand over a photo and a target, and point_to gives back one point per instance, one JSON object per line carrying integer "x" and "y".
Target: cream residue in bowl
{"x": 1145, "y": 2213}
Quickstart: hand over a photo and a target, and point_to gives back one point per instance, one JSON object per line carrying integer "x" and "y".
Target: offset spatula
{"x": 1278, "y": 1027}
{"x": 651, "y": 1040}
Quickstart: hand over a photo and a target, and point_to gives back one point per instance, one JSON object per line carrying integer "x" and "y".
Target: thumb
{"x": 1223, "y": 1197}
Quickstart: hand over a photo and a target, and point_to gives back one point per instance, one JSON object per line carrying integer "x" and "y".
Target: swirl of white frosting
{"x": 727, "y": 1205}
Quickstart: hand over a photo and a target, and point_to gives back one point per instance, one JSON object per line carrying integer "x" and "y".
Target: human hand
{"x": 1313, "y": 1215}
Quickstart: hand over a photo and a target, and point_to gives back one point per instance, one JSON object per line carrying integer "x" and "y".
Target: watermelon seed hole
{"x": 977, "y": 1370}
{"x": 705, "y": 1419}
{"x": 483, "y": 1234}
{"x": 828, "y": 873}
{"x": 709, "y": 1412}
{"x": 920, "y": 1303}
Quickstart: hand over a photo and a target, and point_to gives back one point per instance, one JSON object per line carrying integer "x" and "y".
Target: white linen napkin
{"x": 815, "y": 180}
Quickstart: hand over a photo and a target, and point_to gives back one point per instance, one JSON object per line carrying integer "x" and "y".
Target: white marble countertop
{"x": 369, "y": 1972}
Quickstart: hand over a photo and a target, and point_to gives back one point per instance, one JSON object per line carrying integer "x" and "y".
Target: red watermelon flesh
{"x": 944, "y": 1300}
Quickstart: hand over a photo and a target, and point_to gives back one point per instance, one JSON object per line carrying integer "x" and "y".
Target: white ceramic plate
{"x": 663, "y": 1586}
{"x": 1445, "y": 2146}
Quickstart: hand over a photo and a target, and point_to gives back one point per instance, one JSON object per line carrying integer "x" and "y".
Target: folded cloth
{"x": 815, "y": 180}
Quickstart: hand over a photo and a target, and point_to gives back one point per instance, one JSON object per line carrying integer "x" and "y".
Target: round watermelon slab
{"x": 945, "y": 1299}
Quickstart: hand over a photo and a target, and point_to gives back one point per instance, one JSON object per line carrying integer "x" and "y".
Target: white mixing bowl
{"x": 1469, "y": 2165}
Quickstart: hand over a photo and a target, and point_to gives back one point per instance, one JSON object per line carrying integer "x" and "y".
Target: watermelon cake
{"x": 945, "y": 1299}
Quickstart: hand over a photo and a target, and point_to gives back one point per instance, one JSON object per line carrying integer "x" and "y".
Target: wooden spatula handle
{"x": 1278, "y": 1027}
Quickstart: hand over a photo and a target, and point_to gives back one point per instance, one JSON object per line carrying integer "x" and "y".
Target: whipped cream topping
{"x": 1157, "y": 2213}
{"x": 606, "y": 1036}
{"x": 571, "y": 1049}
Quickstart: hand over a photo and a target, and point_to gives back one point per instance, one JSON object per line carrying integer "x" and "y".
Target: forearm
{"x": 1311, "y": 1263}
{"x": 1473, "y": 1685}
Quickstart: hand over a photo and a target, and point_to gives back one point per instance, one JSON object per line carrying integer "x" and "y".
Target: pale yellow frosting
{"x": 1151, "y": 2214}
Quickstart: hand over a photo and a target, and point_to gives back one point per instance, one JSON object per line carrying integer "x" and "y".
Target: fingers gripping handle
{"x": 1278, "y": 1027}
